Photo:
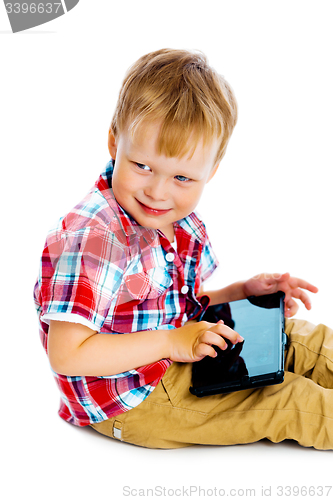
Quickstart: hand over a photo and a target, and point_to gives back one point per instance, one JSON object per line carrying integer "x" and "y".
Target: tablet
{"x": 256, "y": 362}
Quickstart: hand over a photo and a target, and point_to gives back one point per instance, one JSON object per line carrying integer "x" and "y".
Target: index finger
{"x": 227, "y": 332}
{"x": 299, "y": 283}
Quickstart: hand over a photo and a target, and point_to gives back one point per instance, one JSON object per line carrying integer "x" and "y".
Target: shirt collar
{"x": 123, "y": 222}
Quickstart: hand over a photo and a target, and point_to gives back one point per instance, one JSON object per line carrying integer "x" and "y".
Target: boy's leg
{"x": 301, "y": 408}
{"x": 310, "y": 351}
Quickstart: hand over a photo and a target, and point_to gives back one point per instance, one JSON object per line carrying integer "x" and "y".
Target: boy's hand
{"x": 293, "y": 287}
{"x": 194, "y": 340}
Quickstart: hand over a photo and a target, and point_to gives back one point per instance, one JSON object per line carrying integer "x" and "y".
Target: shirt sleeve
{"x": 208, "y": 261}
{"x": 69, "y": 317}
{"x": 81, "y": 273}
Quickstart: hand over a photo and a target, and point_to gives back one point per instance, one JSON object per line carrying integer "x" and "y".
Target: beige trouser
{"x": 301, "y": 408}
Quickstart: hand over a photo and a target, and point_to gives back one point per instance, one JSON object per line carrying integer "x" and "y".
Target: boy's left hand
{"x": 292, "y": 287}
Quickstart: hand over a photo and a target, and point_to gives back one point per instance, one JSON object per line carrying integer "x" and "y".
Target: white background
{"x": 268, "y": 209}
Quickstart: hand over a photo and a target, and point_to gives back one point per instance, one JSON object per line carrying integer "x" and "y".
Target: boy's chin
{"x": 143, "y": 223}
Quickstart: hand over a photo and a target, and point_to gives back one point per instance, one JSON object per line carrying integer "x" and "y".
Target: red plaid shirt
{"x": 101, "y": 268}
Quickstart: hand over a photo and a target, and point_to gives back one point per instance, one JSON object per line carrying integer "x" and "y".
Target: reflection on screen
{"x": 261, "y": 345}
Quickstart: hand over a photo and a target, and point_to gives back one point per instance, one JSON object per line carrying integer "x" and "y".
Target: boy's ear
{"x": 213, "y": 172}
{"x": 112, "y": 144}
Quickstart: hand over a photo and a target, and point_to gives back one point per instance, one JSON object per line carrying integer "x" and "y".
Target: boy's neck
{"x": 169, "y": 232}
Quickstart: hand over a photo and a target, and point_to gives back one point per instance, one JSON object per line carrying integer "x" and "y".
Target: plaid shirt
{"x": 99, "y": 265}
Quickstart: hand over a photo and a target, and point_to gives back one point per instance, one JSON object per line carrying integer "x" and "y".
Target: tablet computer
{"x": 256, "y": 362}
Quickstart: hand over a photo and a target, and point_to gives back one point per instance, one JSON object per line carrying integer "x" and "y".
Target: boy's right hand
{"x": 193, "y": 341}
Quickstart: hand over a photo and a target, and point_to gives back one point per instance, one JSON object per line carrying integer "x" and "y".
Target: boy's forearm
{"x": 109, "y": 354}
{"x": 228, "y": 294}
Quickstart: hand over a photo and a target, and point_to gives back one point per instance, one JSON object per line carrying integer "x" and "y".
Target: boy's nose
{"x": 157, "y": 190}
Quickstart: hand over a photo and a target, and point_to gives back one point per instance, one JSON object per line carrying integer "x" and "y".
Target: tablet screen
{"x": 259, "y": 320}
{"x": 260, "y": 329}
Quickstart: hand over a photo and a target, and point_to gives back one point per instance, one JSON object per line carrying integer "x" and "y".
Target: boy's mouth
{"x": 152, "y": 211}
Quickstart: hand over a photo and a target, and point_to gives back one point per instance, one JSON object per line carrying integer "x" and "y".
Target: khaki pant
{"x": 301, "y": 408}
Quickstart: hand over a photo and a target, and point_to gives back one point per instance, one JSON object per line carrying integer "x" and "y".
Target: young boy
{"x": 120, "y": 296}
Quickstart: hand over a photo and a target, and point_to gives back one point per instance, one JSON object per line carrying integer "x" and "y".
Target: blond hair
{"x": 181, "y": 91}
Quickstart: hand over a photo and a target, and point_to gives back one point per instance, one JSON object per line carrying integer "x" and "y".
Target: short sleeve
{"x": 69, "y": 317}
{"x": 208, "y": 261}
{"x": 81, "y": 273}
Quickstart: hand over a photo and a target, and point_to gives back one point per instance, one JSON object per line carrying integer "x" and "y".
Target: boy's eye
{"x": 182, "y": 178}
{"x": 142, "y": 166}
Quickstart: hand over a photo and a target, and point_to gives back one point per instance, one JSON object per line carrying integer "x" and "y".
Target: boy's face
{"x": 154, "y": 189}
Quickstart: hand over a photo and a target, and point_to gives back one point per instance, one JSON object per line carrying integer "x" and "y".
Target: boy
{"x": 120, "y": 296}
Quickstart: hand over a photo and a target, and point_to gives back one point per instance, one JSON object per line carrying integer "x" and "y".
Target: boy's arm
{"x": 228, "y": 294}
{"x": 76, "y": 350}
{"x": 266, "y": 283}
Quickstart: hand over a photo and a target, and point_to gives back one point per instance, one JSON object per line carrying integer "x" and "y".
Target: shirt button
{"x": 170, "y": 257}
{"x": 184, "y": 289}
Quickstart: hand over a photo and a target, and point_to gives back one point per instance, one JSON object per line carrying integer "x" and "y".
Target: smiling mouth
{"x": 153, "y": 210}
